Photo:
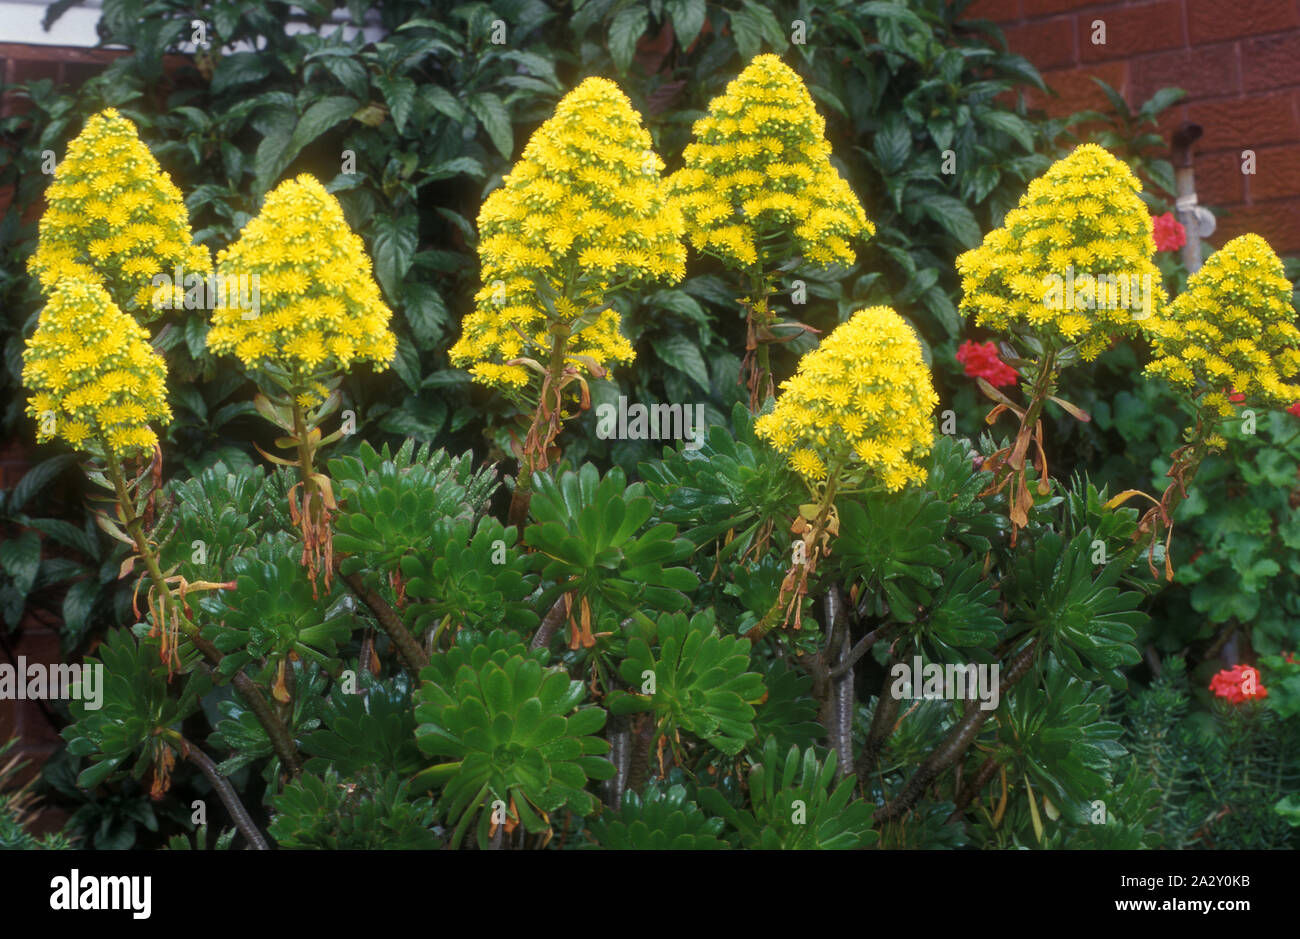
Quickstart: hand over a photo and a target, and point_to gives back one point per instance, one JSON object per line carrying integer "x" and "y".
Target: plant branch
{"x": 413, "y": 656}
{"x": 281, "y": 740}
{"x": 226, "y": 792}
{"x": 550, "y": 623}
{"x": 862, "y": 647}
{"x": 955, "y": 744}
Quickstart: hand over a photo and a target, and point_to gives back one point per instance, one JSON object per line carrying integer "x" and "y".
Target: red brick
{"x": 75, "y": 73}
{"x": 1046, "y": 43}
{"x": 1219, "y": 181}
{"x": 1033, "y": 8}
{"x": 997, "y": 10}
{"x": 36, "y": 729}
{"x": 1277, "y": 221}
{"x": 1132, "y": 29}
{"x": 1206, "y": 72}
{"x": 1077, "y": 91}
{"x": 25, "y": 70}
{"x": 8, "y": 718}
{"x": 1246, "y": 123}
{"x": 39, "y": 645}
{"x": 1212, "y": 20}
{"x": 1277, "y": 173}
{"x": 1270, "y": 63}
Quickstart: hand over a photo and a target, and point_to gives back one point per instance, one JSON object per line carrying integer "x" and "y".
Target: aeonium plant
{"x": 1068, "y": 272}
{"x": 98, "y": 384}
{"x": 317, "y": 312}
{"x": 1228, "y": 341}
{"x": 582, "y": 216}
{"x": 114, "y": 217}
{"x": 856, "y": 413}
{"x": 758, "y": 192}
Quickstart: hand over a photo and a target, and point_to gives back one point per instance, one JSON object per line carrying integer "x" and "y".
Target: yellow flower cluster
{"x": 1233, "y": 329}
{"x": 581, "y": 214}
{"x": 95, "y": 379}
{"x": 115, "y": 218}
{"x": 318, "y": 307}
{"x": 861, "y": 400}
{"x": 760, "y": 164}
{"x": 1072, "y": 263}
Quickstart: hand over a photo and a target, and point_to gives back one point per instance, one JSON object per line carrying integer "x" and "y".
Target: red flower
{"x": 981, "y": 361}
{"x": 1235, "y": 396}
{"x": 1238, "y": 683}
{"x": 1294, "y": 409}
{"x": 1170, "y": 234}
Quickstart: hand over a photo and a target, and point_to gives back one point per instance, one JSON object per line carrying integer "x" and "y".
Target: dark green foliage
{"x": 199, "y": 840}
{"x": 367, "y": 812}
{"x": 1077, "y": 609}
{"x": 788, "y": 713}
{"x": 239, "y": 730}
{"x": 695, "y": 681}
{"x": 727, "y": 491}
{"x": 590, "y": 541}
{"x": 390, "y": 503}
{"x": 481, "y": 582}
{"x": 660, "y": 819}
{"x": 368, "y": 724}
{"x": 796, "y": 805}
{"x": 1055, "y": 735}
{"x": 135, "y": 707}
{"x": 215, "y": 516}
{"x": 514, "y": 736}
{"x": 274, "y": 611}
{"x": 670, "y": 570}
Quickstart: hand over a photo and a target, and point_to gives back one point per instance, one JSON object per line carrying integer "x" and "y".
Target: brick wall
{"x": 1238, "y": 60}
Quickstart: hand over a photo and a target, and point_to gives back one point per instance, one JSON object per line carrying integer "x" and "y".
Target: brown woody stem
{"x": 226, "y": 792}
{"x": 281, "y": 740}
{"x": 413, "y": 656}
{"x": 955, "y": 745}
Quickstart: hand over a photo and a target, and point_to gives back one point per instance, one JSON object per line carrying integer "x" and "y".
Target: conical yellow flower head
{"x": 115, "y": 217}
{"x": 1072, "y": 263}
{"x": 1233, "y": 328}
{"x": 319, "y": 308}
{"x": 759, "y": 164}
{"x": 582, "y": 210}
{"x": 861, "y": 400}
{"x": 94, "y": 377}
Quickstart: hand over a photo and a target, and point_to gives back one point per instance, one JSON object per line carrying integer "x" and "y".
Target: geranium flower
{"x": 1231, "y": 683}
{"x": 981, "y": 361}
{"x": 1169, "y": 232}
{"x": 1294, "y": 409}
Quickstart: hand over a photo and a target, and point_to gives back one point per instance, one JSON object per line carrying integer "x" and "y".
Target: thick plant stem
{"x": 304, "y": 445}
{"x": 552, "y": 622}
{"x": 643, "y": 734}
{"x": 411, "y": 652}
{"x": 862, "y": 647}
{"x": 968, "y": 793}
{"x": 760, "y": 376}
{"x": 226, "y": 792}
{"x": 281, "y": 740}
{"x": 541, "y": 432}
{"x": 882, "y": 725}
{"x": 955, "y": 745}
